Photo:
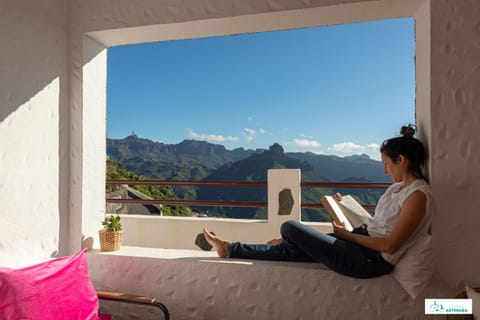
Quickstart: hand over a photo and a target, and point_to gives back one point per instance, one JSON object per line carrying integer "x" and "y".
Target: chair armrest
{"x": 135, "y": 299}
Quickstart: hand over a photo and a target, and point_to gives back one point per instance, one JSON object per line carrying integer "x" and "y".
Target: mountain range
{"x": 193, "y": 159}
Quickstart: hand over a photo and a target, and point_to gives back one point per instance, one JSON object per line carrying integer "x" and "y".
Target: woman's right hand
{"x": 337, "y": 196}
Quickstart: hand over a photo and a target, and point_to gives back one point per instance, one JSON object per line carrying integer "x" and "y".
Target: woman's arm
{"x": 411, "y": 214}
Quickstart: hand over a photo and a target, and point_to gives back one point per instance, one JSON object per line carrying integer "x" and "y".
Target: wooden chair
{"x": 133, "y": 299}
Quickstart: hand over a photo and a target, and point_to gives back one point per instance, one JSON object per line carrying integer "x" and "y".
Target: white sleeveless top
{"x": 388, "y": 210}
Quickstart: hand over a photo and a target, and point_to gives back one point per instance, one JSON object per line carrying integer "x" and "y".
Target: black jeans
{"x": 302, "y": 243}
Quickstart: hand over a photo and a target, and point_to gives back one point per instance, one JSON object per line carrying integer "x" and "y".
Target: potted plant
{"x": 112, "y": 234}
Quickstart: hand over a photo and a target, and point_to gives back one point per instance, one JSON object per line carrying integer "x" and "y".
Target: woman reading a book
{"x": 402, "y": 216}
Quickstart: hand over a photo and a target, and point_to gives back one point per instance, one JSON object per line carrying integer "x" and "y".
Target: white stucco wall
{"x": 51, "y": 163}
{"x": 196, "y": 285}
{"x": 33, "y": 134}
{"x": 455, "y": 142}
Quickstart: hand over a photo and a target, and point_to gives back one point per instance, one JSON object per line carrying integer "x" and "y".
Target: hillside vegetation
{"x": 117, "y": 171}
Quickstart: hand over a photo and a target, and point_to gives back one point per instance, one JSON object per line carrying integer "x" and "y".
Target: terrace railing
{"x": 207, "y": 203}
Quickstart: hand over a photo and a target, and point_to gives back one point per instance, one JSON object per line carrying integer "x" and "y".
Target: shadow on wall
{"x": 33, "y": 51}
{"x": 36, "y": 53}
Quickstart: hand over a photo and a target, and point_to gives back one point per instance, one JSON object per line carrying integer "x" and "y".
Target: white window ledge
{"x": 196, "y": 284}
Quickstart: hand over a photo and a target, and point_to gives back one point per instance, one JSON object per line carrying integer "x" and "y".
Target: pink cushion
{"x": 56, "y": 289}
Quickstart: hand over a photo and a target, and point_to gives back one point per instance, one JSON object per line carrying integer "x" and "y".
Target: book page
{"x": 335, "y": 212}
{"x": 353, "y": 211}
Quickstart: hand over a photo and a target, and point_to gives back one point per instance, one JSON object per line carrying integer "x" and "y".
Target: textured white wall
{"x": 33, "y": 135}
{"x": 195, "y": 285}
{"x": 93, "y": 137}
{"x": 455, "y": 141}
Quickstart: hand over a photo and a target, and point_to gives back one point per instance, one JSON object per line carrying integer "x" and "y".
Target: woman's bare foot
{"x": 220, "y": 245}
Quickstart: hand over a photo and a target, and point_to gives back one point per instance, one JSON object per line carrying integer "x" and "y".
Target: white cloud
{"x": 350, "y": 148}
{"x": 373, "y": 147}
{"x": 262, "y": 131}
{"x": 249, "y": 131}
{"x": 211, "y": 137}
{"x": 346, "y": 147}
{"x": 305, "y": 143}
{"x": 249, "y": 134}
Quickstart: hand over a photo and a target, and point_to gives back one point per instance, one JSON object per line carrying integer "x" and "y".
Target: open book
{"x": 348, "y": 211}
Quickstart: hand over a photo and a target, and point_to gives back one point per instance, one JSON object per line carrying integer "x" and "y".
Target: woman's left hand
{"x": 340, "y": 230}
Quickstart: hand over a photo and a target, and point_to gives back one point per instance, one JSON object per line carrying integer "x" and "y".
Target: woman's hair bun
{"x": 408, "y": 131}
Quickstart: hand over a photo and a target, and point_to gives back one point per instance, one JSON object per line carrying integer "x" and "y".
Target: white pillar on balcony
{"x": 279, "y": 180}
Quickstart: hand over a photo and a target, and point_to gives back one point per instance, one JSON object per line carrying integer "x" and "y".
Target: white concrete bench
{"x": 197, "y": 285}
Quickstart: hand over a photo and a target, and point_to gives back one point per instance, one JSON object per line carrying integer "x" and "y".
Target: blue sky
{"x": 339, "y": 89}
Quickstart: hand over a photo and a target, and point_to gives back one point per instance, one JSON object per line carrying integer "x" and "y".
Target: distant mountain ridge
{"x": 187, "y": 152}
{"x": 340, "y": 169}
{"x": 193, "y": 159}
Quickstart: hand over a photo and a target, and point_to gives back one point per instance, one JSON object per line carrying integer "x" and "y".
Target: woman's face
{"x": 393, "y": 168}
